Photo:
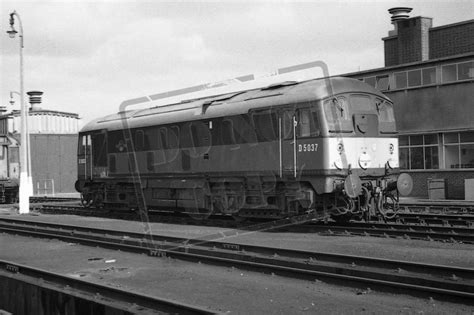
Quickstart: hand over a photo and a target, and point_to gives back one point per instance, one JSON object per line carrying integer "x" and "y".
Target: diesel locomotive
{"x": 325, "y": 144}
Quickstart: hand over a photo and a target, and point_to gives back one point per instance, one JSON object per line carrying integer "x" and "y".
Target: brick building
{"x": 429, "y": 75}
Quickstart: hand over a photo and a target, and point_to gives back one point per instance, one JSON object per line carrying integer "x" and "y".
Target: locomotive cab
{"x": 362, "y": 155}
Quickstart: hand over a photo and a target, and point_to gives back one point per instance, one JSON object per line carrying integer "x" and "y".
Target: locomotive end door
{"x": 84, "y": 165}
{"x": 288, "y": 158}
{"x": 99, "y": 154}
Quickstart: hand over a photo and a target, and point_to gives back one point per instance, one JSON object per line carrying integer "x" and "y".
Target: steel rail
{"x": 137, "y": 303}
{"x": 433, "y": 206}
{"x": 38, "y": 199}
{"x": 421, "y": 232}
{"x": 466, "y": 220}
{"x": 427, "y": 233}
{"x": 444, "y": 281}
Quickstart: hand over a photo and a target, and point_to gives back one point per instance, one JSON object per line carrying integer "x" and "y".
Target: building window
{"x": 459, "y": 149}
{"x": 382, "y": 82}
{"x": 400, "y": 80}
{"x": 414, "y": 77}
{"x": 466, "y": 70}
{"x": 418, "y": 152}
{"x": 370, "y": 81}
{"x": 448, "y": 73}
{"x": 429, "y": 76}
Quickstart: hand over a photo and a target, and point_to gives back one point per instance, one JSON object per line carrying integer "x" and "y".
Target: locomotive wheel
{"x": 342, "y": 210}
{"x": 98, "y": 201}
{"x": 238, "y": 218}
{"x": 197, "y": 215}
{"x": 86, "y": 200}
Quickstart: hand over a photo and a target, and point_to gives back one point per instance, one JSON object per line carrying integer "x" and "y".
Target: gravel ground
{"x": 220, "y": 289}
{"x": 452, "y": 254}
{"x": 229, "y": 289}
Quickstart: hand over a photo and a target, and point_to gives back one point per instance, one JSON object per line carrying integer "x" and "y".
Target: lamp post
{"x": 24, "y": 187}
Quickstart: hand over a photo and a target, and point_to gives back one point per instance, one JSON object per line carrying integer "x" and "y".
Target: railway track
{"x": 438, "y": 207}
{"x": 440, "y": 282}
{"x": 40, "y": 199}
{"x": 389, "y": 230}
{"x": 461, "y": 220}
{"x": 456, "y": 229}
{"x": 120, "y": 301}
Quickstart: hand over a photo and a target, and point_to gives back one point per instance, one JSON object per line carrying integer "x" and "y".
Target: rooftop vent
{"x": 398, "y": 14}
{"x": 35, "y": 98}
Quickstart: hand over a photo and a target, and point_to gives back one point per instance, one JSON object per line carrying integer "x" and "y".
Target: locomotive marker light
{"x": 24, "y": 188}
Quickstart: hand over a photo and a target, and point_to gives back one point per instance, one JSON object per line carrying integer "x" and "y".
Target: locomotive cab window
{"x": 386, "y": 116}
{"x": 362, "y": 103}
{"x": 308, "y": 123}
{"x": 337, "y": 113}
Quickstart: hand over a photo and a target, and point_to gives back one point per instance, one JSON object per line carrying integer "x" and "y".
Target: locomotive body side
{"x": 271, "y": 152}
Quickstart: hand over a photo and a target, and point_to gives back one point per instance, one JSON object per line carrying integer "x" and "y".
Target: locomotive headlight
{"x": 391, "y": 148}
{"x": 340, "y": 147}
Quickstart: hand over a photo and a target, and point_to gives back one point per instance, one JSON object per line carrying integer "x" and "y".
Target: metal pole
{"x": 24, "y": 187}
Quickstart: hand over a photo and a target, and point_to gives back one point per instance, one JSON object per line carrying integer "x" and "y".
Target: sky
{"x": 89, "y": 56}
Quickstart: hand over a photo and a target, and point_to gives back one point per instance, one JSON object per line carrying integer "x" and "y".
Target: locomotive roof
{"x": 289, "y": 92}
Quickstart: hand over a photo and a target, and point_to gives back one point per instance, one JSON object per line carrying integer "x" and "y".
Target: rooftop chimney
{"x": 35, "y": 98}
{"x": 398, "y": 14}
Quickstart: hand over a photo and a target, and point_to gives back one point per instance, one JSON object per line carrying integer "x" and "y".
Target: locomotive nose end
{"x": 404, "y": 184}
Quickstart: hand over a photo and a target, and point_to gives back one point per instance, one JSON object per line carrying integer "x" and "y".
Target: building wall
{"x": 413, "y": 43}
{"x": 53, "y": 162}
{"x": 47, "y": 122}
{"x": 416, "y": 40}
{"x": 454, "y": 182}
{"x": 391, "y": 51}
{"x": 440, "y": 107}
{"x": 452, "y": 39}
